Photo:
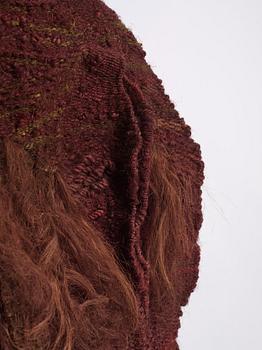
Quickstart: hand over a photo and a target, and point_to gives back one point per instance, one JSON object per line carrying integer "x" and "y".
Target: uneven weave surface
{"x": 76, "y": 90}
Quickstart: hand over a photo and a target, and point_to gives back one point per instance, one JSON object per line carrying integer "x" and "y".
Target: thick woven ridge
{"x": 77, "y": 92}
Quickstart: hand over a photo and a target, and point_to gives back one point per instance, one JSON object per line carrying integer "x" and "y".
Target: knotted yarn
{"x": 83, "y": 116}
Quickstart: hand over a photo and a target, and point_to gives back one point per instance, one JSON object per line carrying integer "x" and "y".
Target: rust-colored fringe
{"x": 61, "y": 284}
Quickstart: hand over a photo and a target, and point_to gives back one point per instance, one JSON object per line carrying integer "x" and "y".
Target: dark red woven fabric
{"x": 77, "y": 91}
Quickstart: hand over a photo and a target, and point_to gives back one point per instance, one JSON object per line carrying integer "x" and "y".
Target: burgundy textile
{"x": 76, "y": 90}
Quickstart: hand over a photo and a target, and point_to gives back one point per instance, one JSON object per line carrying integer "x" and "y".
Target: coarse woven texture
{"x": 77, "y": 92}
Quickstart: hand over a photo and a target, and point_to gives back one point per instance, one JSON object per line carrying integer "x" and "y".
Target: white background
{"x": 209, "y": 55}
